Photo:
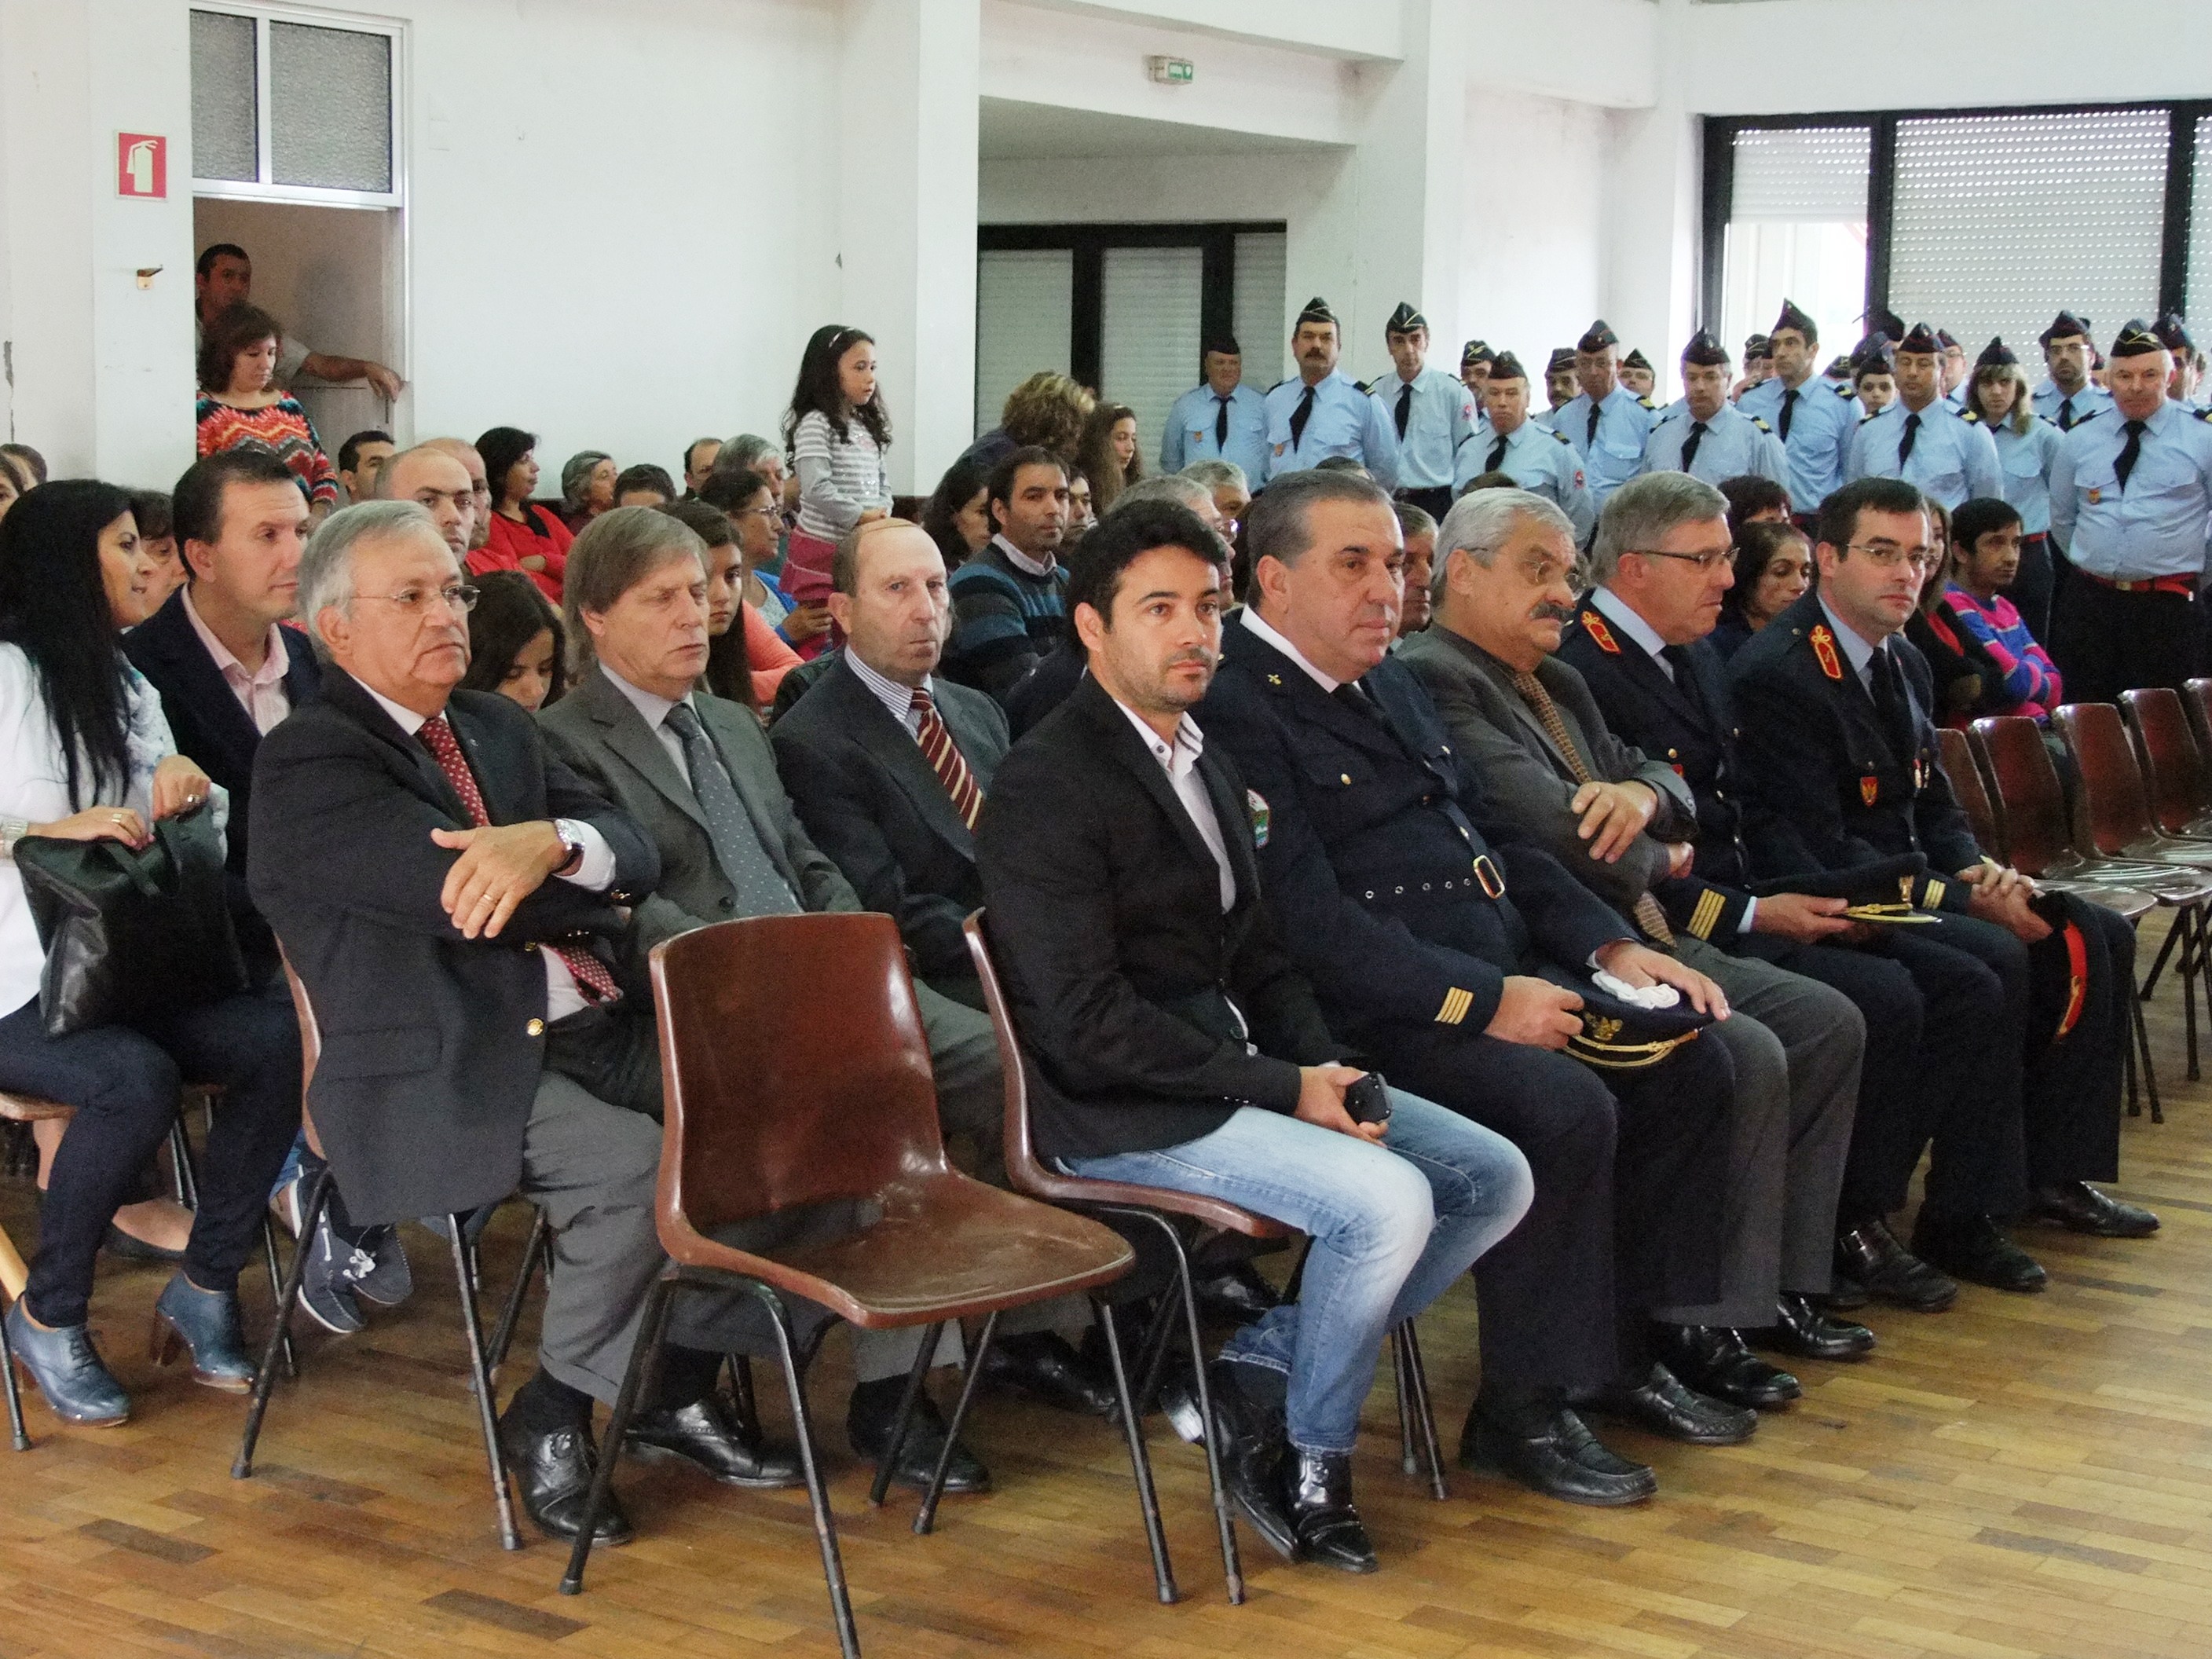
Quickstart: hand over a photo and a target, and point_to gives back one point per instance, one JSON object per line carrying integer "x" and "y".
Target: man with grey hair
{"x": 1623, "y": 825}
{"x": 452, "y": 899}
{"x": 1231, "y": 487}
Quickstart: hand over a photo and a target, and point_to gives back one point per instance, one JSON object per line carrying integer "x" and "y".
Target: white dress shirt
{"x": 1179, "y": 760}
{"x": 259, "y": 691}
{"x": 898, "y": 699}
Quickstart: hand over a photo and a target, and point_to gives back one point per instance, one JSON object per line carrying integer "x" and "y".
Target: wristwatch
{"x": 11, "y": 831}
{"x": 572, "y": 842}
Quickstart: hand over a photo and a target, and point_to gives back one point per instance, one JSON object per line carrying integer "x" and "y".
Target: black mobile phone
{"x": 1368, "y": 1101}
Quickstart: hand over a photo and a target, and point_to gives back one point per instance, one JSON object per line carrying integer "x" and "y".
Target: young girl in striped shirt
{"x": 835, "y": 433}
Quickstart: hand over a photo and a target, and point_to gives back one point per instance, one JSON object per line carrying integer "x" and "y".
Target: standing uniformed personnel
{"x": 1536, "y": 458}
{"x": 1638, "y": 376}
{"x": 1320, "y": 411}
{"x": 1430, "y": 413}
{"x": 2028, "y": 450}
{"x": 1841, "y": 755}
{"x": 1920, "y": 438}
{"x": 2130, "y": 502}
{"x": 1706, "y": 435}
{"x": 1758, "y": 364}
{"x": 1220, "y": 419}
{"x": 1559, "y": 386}
{"x": 2069, "y": 397}
{"x": 2181, "y": 383}
{"x": 1608, "y": 424}
{"x": 1951, "y": 369}
{"x": 1475, "y": 358}
{"x": 1815, "y": 418}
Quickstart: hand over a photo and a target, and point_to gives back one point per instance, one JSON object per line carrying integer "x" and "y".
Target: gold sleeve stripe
{"x": 1707, "y": 915}
{"x": 1457, "y": 1003}
{"x": 1931, "y": 897}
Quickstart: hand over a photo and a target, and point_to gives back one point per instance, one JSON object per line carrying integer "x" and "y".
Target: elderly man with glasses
{"x": 1839, "y": 748}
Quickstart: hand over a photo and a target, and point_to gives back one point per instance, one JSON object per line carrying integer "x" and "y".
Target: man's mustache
{"x": 1545, "y": 611}
{"x": 1204, "y": 656}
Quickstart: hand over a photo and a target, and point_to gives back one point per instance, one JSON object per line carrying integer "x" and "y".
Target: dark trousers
{"x": 124, "y": 1082}
{"x": 2033, "y": 584}
{"x": 2106, "y": 641}
{"x": 1568, "y": 1289}
{"x": 1435, "y": 500}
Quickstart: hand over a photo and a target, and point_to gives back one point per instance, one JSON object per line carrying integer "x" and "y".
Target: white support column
{"x": 1652, "y": 218}
{"x": 101, "y": 369}
{"x": 906, "y": 204}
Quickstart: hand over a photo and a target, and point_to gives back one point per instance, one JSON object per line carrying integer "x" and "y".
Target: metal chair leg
{"x": 540, "y": 1241}
{"x": 2189, "y": 964}
{"x": 17, "y": 1434}
{"x": 183, "y": 1179}
{"x": 925, "y": 1517}
{"x": 264, "y": 1379}
{"x": 1424, "y": 1416}
{"x": 643, "y": 1359}
{"x": 1141, "y": 1463}
{"x": 910, "y": 1397}
{"x": 2145, "y": 1064}
{"x": 1232, "y": 1568}
{"x": 825, "y": 1526}
{"x": 741, "y": 1391}
{"x": 276, "y": 1289}
{"x": 1407, "y": 1464}
{"x": 481, "y": 1378}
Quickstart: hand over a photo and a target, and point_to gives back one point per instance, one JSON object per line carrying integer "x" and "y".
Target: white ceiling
{"x": 1014, "y": 132}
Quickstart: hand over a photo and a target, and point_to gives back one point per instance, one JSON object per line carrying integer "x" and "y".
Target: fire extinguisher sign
{"x": 142, "y": 165}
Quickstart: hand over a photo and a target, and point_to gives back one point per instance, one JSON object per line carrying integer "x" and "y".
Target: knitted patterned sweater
{"x": 284, "y": 430}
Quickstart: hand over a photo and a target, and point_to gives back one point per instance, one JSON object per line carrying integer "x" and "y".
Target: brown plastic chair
{"x": 2172, "y": 765}
{"x": 241, "y": 1468}
{"x": 2121, "y": 824}
{"x": 1972, "y": 791}
{"x": 1154, "y": 1207}
{"x": 782, "y": 1114}
{"x": 2197, "y": 706}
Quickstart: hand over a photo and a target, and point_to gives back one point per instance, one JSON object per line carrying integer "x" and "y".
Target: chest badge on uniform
{"x": 1279, "y": 448}
{"x": 2095, "y": 495}
{"x": 1869, "y": 788}
{"x": 1256, "y": 804}
{"x": 1601, "y": 635}
{"x": 1919, "y": 774}
{"x": 1824, "y": 648}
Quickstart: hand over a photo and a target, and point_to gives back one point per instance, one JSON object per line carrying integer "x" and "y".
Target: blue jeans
{"x": 1392, "y": 1226}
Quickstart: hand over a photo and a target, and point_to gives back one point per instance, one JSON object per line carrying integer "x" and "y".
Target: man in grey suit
{"x": 1526, "y": 724}
{"x": 696, "y": 773}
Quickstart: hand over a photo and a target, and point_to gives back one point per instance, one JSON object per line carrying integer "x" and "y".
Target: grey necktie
{"x": 760, "y": 886}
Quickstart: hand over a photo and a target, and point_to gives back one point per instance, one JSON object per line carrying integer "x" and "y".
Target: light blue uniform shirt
{"x": 1344, "y": 421}
{"x": 1437, "y": 422}
{"x": 1611, "y": 458}
{"x": 2024, "y": 462}
{"x": 1733, "y": 444}
{"x": 1816, "y": 437}
{"x": 2050, "y": 403}
{"x": 1188, "y": 435}
{"x": 1541, "y": 461}
{"x": 1952, "y": 458}
{"x": 2156, "y": 527}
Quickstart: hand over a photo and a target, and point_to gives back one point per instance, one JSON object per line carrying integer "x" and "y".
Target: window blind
{"x": 2196, "y": 298}
{"x": 1797, "y": 231}
{"x": 1801, "y": 175}
{"x": 1024, "y": 299}
{"x": 1148, "y": 343}
{"x": 1262, "y": 309}
{"x": 2001, "y": 220}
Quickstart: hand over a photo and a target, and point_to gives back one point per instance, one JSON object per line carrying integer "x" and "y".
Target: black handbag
{"x": 130, "y": 935}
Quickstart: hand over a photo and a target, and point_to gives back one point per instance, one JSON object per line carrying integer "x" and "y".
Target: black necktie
{"x": 1678, "y": 659}
{"x": 1405, "y": 408}
{"x": 1789, "y": 411}
{"x": 2129, "y": 452}
{"x": 1300, "y": 415}
{"x": 1497, "y": 457}
{"x": 1912, "y": 436}
{"x": 1592, "y": 437}
{"x": 1221, "y": 424}
{"x": 1892, "y": 703}
{"x": 2066, "y": 414}
{"x": 1690, "y": 444}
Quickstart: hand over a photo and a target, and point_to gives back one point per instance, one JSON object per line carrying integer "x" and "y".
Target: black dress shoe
{"x": 1869, "y": 1255}
{"x": 123, "y": 1248}
{"x": 68, "y": 1370}
{"x": 1251, "y": 1443}
{"x": 1040, "y": 1365}
{"x": 1317, "y": 1496}
{"x": 1974, "y": 1248}
{"x": 1843, "y": 1294}
{"x": 553, "y": 1469}
{"x": 1234, "y": 1295}
{"x": 2078, "y": 1205}
{"x": 206, "y": 1322}
{"x": 1661, "y": 1405}
{"x": 1804, "y": 1331}
{"x": 1714, "y": 1361}
{"x": 703, "y": 1434}
{"x": 873, "y": 1418}
{"x": 1559, "y": 1458}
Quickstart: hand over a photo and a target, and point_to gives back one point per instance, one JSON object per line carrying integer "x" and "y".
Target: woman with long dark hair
{"x": 518, "y": 644}
{"x": 1108, "y": 455}
{"x": 957, "y": 514}
{"x": 524, "y": 537}
{"x": 85, "y": 755}
{"x": 1773, "y": 567}
{"x": 745, "y": 659}
{"x": 835, "y": 433}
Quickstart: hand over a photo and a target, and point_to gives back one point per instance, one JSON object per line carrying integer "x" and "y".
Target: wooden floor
{"x": 2023, "y": 1475}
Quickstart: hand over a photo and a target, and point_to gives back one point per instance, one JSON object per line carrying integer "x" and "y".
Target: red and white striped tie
{"x": 944, "y": 757}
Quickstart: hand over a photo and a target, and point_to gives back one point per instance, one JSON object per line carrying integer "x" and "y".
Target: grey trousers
{"x": 1796, "y": 1045}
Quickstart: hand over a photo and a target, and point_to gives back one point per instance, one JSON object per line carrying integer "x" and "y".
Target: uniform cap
{"x": 1224, "y": 343}
{"x": 2065, "y": 326}
{"x": 1636, "y": 359}
{"x": 2172, "y": 334}
{"x": 1404, "y": 321}
{"x": 1619, "y": 1036}
{"x": 1316, "y": 311}
{"x": 1922, "y": 339}
{"x": 1791, "y": 317}
{"x": 1872, "y": 357}
{"x": 1943, "y": 339}
{"x": 1838, "y": 369}
{"x": 1476, "y": 351}
{"x": 1504, "y": 366}
{"x": 1757, "y": 346}
{"x": 1876, "y": 882}
{"x": 1597, "y": 337}
{"x": 2137, "y": 339}
{"x": 1562, "y": 358}
{"x": 1882, "y": 320}
{"x": 1997, "y": 355}
{"x": 1704, "y": 351}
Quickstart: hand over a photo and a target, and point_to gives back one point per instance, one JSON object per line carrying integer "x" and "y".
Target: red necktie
{"x": 592, "y": 978}
{"x": 944, "y": 757}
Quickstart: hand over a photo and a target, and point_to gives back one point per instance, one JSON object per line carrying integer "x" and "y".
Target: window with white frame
{"x": 295, "y": 105}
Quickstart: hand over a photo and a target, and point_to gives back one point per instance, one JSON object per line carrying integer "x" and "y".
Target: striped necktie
{"x": 945, "y": 759}
{"x": 592, "y": 979}
{"x": 1649, "y": 916}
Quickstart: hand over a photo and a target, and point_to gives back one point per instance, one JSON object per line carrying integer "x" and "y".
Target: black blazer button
{"x": 727, "y": 902}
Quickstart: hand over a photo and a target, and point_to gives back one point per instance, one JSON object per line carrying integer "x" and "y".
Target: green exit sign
{"x": 1174, "y": 71}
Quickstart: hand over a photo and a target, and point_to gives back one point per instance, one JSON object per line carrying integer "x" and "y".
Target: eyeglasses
{"x": 1704, "y": 561}
{"x": 1887, "y": 556}
{"x": 411, "y": 601}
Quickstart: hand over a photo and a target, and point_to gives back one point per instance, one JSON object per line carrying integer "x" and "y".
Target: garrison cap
{"x": 1704, "y": 351}
{"x": 1404, "y": 321}
{"x": 1563, "y": 358}
{"x": 1316, "y": 311}
{"x": 1224, "y": 343}
{"x": 1872, "y": 357}
{"x": 1476, "y": 351}
{"x": 1838, "y": 369}
{"x": 1882, "y": 320}
{"x": 2065, "y": 326}
{"x": 1997, "y": 355}
{"x": 2172, "y": 334}
{"x": 2135, "y": 339}
{"x": 1922, "y": 341}
{"x": 1757, "y": 347}
{"x": 1597, "y": 337}
{"x": 1791, "y": 317}
{"x": 1504, "y": 366}
{"x": 1636, "y": 359}
{"x": 1943, "y": 337}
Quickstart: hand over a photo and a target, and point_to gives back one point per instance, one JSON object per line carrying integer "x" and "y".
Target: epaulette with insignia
{"x": 1601, "y": 635}
{"x": 1560, "y": 435}
{"x": 1760, "y": 424}
{"x": 1863, "y": 419}
{"x": 1843, "y": 389}
{"x": 2084, "y": 418}
{"x": 1670, "y": 415}
{"x": 1824, "y": 648}
{"x": 1646, "y": 403}
{"x": 1366, "y": 387}
{"x": 2205, "y": 413}
{"x": 1971, "y": 417}
{"x": 2046, "y": 420}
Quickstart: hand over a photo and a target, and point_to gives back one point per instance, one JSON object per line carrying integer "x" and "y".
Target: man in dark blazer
{"x": 449, "y": 896}
{"x": 1839, "y": 748}
{"x": 228, "y": 671}
{"x": 1422, "y": 927}
{"x": 1173, "y": 1044}
{"x": 696, "y": 775}
{"x": 1525, "y": 721}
